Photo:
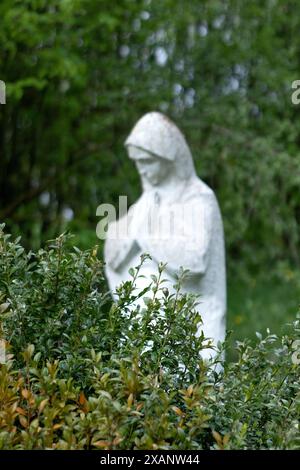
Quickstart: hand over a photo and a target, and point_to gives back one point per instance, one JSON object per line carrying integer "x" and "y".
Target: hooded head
{"x": 157, "y": 135}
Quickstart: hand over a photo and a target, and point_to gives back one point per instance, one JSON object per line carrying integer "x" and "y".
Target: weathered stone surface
{"x": 176, "y": 220}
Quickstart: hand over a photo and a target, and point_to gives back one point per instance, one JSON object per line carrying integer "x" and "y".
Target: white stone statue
{"x": 176, "y": 220}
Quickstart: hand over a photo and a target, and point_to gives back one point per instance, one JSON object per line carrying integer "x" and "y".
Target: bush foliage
{"x": 85, "y": 372}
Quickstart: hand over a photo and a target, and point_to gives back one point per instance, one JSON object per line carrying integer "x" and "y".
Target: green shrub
{"x": 85, "y": 372}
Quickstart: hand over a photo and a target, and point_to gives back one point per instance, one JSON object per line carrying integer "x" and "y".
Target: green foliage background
{"x": 79, "y": 73}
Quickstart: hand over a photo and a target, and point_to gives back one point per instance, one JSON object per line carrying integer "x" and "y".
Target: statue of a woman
{"x": 176, "y": 220}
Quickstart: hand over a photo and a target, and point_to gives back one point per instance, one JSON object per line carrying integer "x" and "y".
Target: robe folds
{"x": 182, "y": 228}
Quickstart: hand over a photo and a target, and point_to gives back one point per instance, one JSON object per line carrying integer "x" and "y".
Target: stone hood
{"x": 157, "y": 134}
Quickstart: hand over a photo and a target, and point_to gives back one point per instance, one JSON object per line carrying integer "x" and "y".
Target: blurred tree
{"x": 80, "y": 73}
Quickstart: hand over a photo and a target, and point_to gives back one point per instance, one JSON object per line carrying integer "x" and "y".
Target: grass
{"x": 261, "y": 302}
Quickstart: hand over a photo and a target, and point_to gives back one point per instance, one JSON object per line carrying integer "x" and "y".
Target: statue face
{"x": 153, "y": 170}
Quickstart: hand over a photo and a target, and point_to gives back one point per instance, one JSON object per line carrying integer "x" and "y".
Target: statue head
{"x": 159, "y": 150}
{"x": 152, "y": 169}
